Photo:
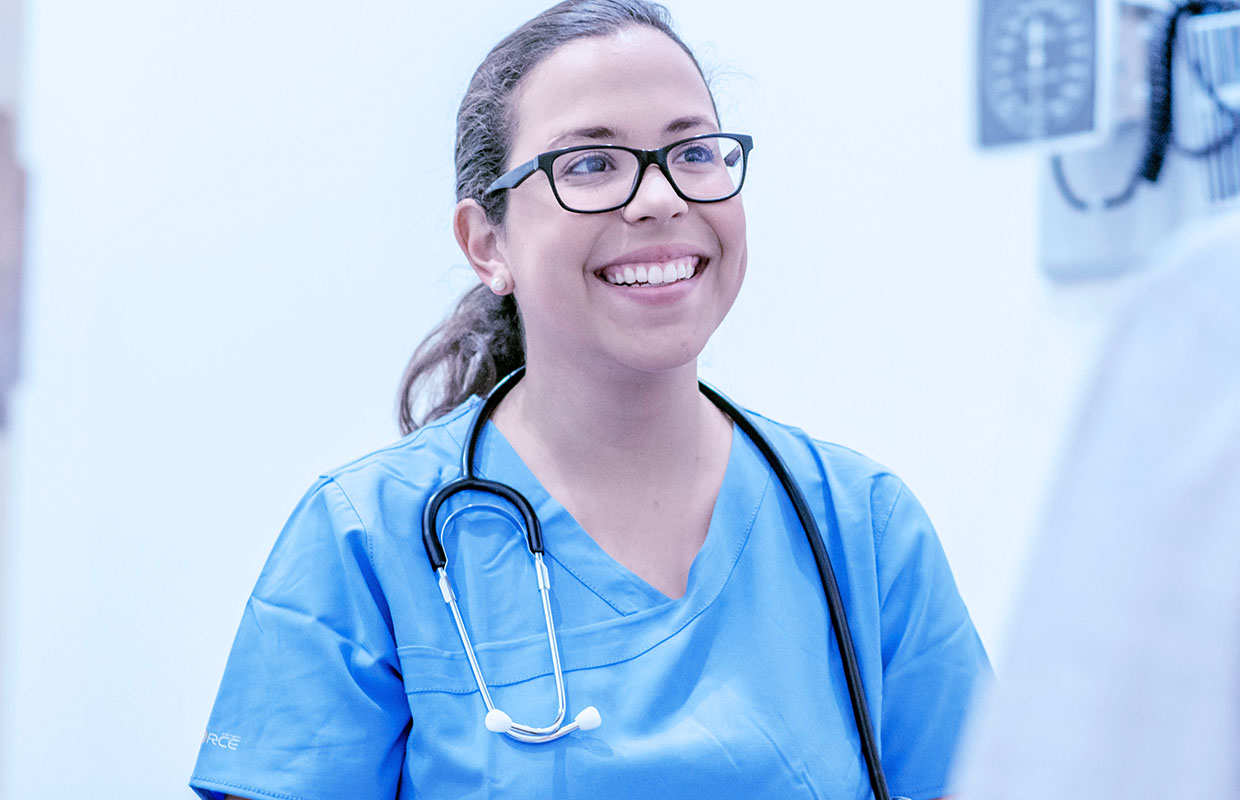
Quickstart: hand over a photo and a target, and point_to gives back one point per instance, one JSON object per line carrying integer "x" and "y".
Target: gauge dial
{"x": 1037, "y": 69}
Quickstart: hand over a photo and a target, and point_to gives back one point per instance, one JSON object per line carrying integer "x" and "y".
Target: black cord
{"x": 1161, "y": 136}
{"x": 835, "y": 602}
{"x": 1224, "y": 141}
{"x": 1077, "y": 203}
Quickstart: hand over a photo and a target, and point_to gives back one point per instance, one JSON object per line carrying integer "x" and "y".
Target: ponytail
{"x": 467, "y": 354}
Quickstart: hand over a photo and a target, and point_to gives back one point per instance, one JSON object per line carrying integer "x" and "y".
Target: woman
{"x": 689, "y": 612}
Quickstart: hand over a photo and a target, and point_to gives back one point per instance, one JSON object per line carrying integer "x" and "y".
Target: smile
{"x": 655, "y": 273}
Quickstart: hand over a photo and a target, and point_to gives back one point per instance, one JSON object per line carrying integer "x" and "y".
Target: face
{"x": 636, "y": 88}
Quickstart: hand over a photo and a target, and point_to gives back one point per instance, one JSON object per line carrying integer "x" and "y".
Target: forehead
{"x": 634, "y": 83}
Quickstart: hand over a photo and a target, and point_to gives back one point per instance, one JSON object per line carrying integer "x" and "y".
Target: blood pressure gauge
{"x": 1038, "y": 71}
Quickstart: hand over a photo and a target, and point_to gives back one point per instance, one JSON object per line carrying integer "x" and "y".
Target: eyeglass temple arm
{"x": 513, "y": 177}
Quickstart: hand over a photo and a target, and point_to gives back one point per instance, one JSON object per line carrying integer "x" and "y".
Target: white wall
{"x": 239, "y": 231}
{"x": 10, "y": 42}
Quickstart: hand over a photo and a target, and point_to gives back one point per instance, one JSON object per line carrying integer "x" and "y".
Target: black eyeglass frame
{"x": 542, "y": 163}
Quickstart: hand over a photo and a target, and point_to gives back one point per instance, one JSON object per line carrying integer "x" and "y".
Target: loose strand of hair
{"x": 477, "y": 344}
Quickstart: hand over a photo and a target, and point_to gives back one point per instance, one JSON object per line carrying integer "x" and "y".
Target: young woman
{"x": 599, "y": 205}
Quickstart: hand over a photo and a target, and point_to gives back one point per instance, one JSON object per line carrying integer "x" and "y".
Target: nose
{"x": 655, "y": 198}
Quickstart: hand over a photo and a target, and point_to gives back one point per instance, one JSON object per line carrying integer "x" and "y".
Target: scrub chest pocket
{"x": 662, "y": 736}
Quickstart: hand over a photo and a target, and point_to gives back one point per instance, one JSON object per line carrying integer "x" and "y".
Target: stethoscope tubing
{"x": 826, "y": 574}
{"x": 830, "y": 588}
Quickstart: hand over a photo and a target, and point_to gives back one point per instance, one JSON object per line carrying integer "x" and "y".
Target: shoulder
{"x": 353, "y": 517}
{"x": 856, "y": 486}
{"x": 842, "y": 461}
{"x": 437, "y": 443}
{"x": 418, "y": 461}
{"x": 394, "y": 480}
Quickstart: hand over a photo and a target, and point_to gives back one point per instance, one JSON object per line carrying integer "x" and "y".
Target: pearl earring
{"x": 498, "y": 284}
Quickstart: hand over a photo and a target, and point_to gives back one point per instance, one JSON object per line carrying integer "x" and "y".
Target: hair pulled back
{"x": 481, "y": 341}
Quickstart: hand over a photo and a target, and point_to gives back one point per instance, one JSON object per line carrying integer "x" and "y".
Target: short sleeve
{"x": 312, "y": 703}
{"x": 932, "y": 655}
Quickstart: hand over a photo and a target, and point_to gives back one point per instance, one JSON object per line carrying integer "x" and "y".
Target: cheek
{"x": 544, "y": 239}
{"x": 729, "y": 224}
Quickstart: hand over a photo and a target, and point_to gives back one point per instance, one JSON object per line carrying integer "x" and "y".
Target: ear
{"x": 480, "y": 242}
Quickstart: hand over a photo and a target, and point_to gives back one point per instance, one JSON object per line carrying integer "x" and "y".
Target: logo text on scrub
{"x": 224, "y": 740}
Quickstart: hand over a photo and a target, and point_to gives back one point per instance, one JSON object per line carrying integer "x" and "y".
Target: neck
{"x": 597, "y": 426}
{"x": 636, "y": 458}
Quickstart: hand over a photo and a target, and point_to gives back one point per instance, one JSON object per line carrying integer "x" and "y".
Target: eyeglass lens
{"x": 704, "y": 169}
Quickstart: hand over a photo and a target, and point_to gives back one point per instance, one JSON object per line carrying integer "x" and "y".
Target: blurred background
{"x": 234, "y": 228}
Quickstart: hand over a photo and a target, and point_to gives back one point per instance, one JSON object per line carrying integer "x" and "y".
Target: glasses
{"x": 592, "y": 179}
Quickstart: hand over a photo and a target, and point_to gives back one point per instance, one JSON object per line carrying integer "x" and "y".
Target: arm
{"x": 312, "y": 698}
{"x": 932, "y": 656}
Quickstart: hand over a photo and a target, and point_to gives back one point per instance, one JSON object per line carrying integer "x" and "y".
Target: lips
{"x": 654, "y": 272}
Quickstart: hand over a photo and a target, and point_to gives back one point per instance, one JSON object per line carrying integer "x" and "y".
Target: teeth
{"x": 656, "y": 274}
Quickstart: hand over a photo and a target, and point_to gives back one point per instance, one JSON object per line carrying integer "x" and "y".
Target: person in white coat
{"x": 1121, "y": 674}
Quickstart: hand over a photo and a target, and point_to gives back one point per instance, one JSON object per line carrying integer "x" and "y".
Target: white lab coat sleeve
{"x": 1121, "y": 676}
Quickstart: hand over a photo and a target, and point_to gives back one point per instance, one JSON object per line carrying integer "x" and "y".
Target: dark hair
{"x": 481, "y": 340}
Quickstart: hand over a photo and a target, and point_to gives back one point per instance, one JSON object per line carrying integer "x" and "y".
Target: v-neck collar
{"x": 744, "y": 484}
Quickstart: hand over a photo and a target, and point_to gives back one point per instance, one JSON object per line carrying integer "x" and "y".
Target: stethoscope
{"x": 589, "y": 718}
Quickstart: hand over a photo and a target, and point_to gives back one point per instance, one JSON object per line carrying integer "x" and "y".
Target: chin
{"x": 659, "y": 359}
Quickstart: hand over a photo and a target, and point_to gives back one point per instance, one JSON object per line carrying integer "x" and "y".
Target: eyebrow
{"x": 601, "y": 133}
{"x": 597, "y": 133}
{"x": 686, "y": 123}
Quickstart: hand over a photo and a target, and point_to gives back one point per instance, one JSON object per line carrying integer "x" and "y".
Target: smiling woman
{"x": 600, "y": 206}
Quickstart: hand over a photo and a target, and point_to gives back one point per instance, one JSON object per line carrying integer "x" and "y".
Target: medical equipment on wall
{"x": 1136, "y": 101}
{"x": 498, "y": 721}
{"x": 1209, "y": 113}
{"x": 1040, "y": 80}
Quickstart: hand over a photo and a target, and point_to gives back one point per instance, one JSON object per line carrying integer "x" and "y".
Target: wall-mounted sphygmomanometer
{"x": 1041, "y": 76}
{"x": 1111, "y": 90}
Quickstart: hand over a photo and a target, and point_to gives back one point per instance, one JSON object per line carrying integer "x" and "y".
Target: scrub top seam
{"x": 399, "y": 444}
{"x": 552, "y": 512}
{"x": 548, "y": 508}
{"x": 370, "y": 542}
{"x": 408, "y": 439}
{"x": 744, "y": 540}
{"x": 451, "y": 434}
{"x": 881, "y": 529}
{"x": 588, "y": 584}
{"x": 214, "y": 782}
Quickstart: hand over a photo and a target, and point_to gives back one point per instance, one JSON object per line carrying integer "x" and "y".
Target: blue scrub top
{"x": 348, "y": 678}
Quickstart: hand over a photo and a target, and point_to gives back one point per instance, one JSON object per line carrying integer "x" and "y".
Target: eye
{"x": 586, "y": 163}
{"x": 702, "y": 153}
